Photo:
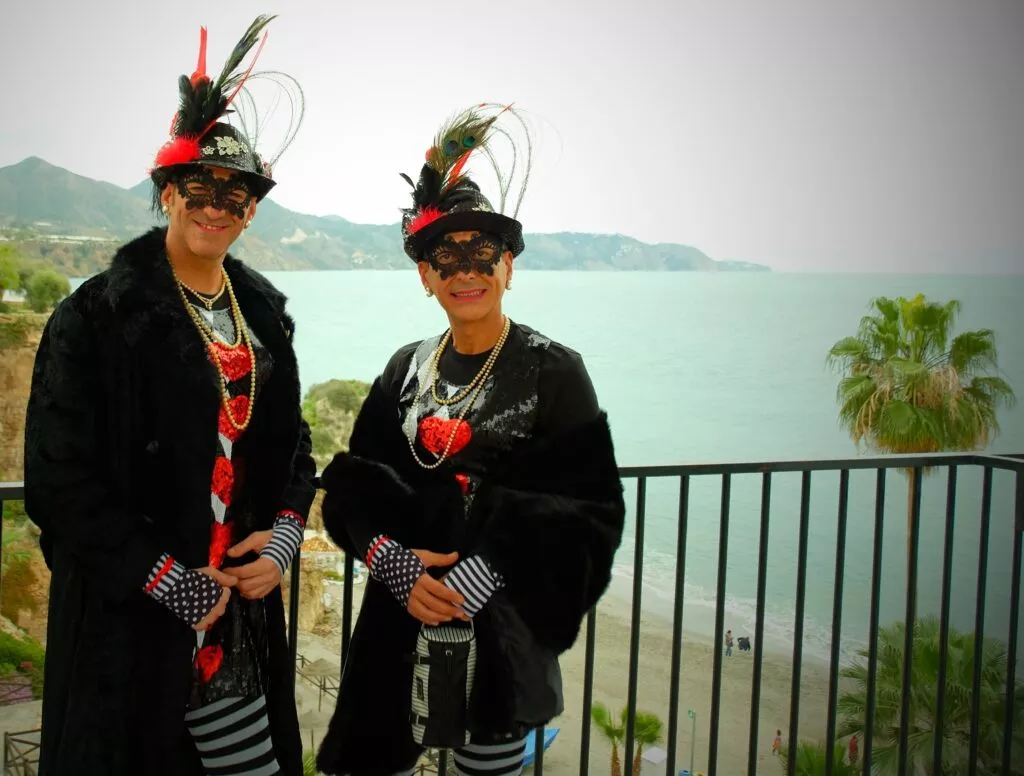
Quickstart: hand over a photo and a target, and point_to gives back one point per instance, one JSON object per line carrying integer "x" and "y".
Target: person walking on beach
{"x": 728, "y": 643}
{"x": 777, "y": 743}
{"x": 169, "y": 470}
{"x": 480, "y": 486}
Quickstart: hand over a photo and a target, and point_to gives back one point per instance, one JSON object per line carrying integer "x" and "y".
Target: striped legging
{"x": 503, "y": 758}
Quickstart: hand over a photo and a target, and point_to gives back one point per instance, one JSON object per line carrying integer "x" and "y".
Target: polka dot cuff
{"x": 395, "y": 566}
{"x": 189, "y": 594}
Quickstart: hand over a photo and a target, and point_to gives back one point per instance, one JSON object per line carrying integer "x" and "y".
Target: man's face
{"x": 208, "y": 208}
{"x": 467, "y": 272}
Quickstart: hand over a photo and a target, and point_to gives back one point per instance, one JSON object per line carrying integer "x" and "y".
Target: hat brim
{"x": 260, "y": 183}
{"x": 508, "y": 229}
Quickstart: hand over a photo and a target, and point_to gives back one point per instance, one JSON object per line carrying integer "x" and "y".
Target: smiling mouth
{"x": 469, "y": 294}
{"x": 211, "y": 228}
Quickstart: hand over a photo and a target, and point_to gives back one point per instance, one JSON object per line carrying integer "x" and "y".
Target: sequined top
{"x": 537, "y": 387}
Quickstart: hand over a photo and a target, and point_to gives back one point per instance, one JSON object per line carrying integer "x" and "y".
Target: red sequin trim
{"x": 463, "y": 481}
{"x": 208, "y": 661}
{"x": 290, "y": 513}
{"x": 435, "y": 433}
{"x": 160, "y": 574}
{"x": 373, "y": 549}
{"x": 223, "y": 479}
{"x": 221, "y": 538}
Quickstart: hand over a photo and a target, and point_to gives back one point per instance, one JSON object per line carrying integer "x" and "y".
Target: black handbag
{"x": 444, "y": 665}
{"x": 228, "y": 685}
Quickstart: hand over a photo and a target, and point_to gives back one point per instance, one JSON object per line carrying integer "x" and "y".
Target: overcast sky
{"x": 805, "y": 134}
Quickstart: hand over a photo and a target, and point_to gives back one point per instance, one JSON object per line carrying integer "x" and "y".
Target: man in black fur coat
{"x": 169, "y": 468}
{"x": 480, "y": 486}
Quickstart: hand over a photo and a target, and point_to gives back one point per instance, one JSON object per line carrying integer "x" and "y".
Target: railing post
{"x": 634, "y": 631}
{"x": 293, "y": 611}
{"x": 798, "y": 629}
{"x": 1011, "y": 651}
{"x": 754, "y": 745}
{"x": 947, "y": 586}
{"x": 716, "y": 675}
{"x": 876, "y": 597}
{"x": 677, "y": 626}
{"x": 979, "y": 622}
{"x": 909, "y": 620}
{"x": 837, "y": 620}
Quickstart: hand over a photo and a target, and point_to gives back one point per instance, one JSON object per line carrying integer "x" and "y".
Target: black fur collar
{"x": 140, "y": 286}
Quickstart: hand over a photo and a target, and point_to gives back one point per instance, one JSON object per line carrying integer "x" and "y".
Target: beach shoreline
{"x": 610, "y": 687}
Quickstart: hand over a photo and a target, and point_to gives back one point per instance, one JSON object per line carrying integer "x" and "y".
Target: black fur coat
{"x": 120, "y": 442}
{"x": 549, "y": 516}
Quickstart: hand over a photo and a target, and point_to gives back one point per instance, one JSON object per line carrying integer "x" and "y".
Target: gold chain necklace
{"x": 209, "y": 301}
{"x": 241, "y": 333}
{"x": 479, "y": 381}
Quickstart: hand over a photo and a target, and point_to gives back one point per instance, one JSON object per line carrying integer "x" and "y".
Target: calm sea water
{"x": 730, "y": 367}
{"x": 712, "y": 368}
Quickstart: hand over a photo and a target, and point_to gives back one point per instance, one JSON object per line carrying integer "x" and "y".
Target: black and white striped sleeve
{"x": 476, "y": 580}
{"x": 285, "y": 541}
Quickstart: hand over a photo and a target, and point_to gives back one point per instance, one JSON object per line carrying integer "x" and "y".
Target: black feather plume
{"x": 202, "y": 102}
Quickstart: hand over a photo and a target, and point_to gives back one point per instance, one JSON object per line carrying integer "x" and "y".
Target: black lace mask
{"x": 200, "y": 189}
{"x": 480, "y": 254}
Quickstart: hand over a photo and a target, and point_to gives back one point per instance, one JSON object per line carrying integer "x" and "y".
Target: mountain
{"x": 77, "y": 223}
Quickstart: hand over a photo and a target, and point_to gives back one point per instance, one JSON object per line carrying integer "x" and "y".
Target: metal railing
{"x": 685, "y": 475}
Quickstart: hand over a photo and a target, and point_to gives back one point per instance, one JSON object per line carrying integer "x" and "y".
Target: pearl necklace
{"x": 478, "y": 382}
{"x": 241, "y": 333}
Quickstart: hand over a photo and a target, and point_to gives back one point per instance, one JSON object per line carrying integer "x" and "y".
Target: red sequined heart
{"x": 208, "y": 661}
{"x": 220, "y": 540}
{"x": 234, "y": 362}
{"x": 223, "y": 479}
{"x": 239, "y": 406}
{"x": 435, "y": 433}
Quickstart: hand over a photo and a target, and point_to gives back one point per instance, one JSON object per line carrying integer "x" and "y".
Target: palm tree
{"x": 811, "y": 759}
{"x": 909, "y": 387}
{"x": 956, "y": 723}
{"x": 646, "y": 732}
{"x": 613, "y": 732}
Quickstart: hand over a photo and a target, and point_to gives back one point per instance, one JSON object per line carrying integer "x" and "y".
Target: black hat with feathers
{"x": 446, "y": 200}
{"x": 200, "y": 133}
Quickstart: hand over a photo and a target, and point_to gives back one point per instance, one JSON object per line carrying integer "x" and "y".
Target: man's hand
{"x": 258, "y": 578}
{"x": 430, "y": 601}
{"x": 254, "y": 542}
{"x": 226, "y": 582}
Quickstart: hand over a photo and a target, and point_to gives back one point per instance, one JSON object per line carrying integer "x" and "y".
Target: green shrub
{"x": 45, "y": 288}
{"x": 18, "y": 652}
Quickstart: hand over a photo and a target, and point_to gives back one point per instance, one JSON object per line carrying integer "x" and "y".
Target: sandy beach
{"x": 611, "y": 688}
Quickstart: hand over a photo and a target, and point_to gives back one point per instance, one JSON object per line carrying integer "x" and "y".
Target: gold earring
{"x": 429, "y": 292}
{"x": 166, "y": 210}
{"x": 247, "y": 224}
{"x": 508, "y": 284}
